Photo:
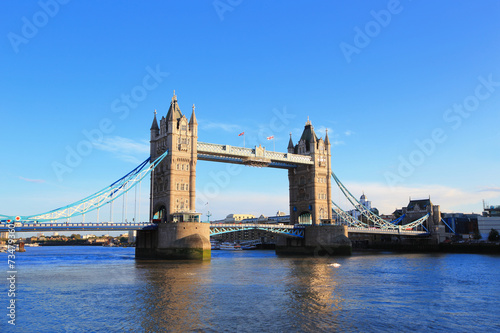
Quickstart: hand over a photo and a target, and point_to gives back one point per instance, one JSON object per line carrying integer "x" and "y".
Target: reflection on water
{"x": 312, "y": 291}
{"x": 77, "y": 289}
{"x": 174, "y": 298}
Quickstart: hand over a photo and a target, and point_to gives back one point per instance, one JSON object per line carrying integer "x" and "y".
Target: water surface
{"x": 93, "y": 289}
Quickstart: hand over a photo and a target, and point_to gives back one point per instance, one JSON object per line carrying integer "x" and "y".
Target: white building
{"x": 367, "y": 204}
{"x": 485, "y": 224}
{"x": 131, "y": 236}
{"x": 237, "y": 217}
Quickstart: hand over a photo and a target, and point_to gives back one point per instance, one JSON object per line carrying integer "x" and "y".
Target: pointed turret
{"x": 327, "y": 141}
{"x": 155, "y": 130}
{"x": 193, "y": 120}
{"x": 314, "y": 138}
{"x": 291, "y": 148}
{"x": 154, "y": 126}
{"x": 308, "y": 135}
{"x": 174, "y": 112}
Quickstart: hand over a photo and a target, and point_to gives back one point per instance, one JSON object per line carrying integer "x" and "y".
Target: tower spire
{"x": 290, "y": 143}
{"x": 154, "y": 125}
{"x": 193, "y": 118}
{"x": 327, "y": 141}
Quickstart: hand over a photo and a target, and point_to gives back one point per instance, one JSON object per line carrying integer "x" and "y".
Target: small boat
{"x": 249, "y": 247}
{"x": 215, "y": 245}
{"x": 230, "y": 246}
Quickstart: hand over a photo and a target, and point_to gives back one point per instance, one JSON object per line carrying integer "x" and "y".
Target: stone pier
{"x": 318, "y": 241}
{"x": 175, "y": 241}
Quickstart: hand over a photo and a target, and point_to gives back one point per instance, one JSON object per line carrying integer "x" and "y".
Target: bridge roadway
{"x": 215, "y": 228}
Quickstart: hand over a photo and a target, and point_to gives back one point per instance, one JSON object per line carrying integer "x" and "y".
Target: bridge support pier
{"x": 318, "y": 241}
{"x": 175, "y": 241}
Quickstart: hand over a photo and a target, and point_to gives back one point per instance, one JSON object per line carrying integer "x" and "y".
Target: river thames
{"x": 100, "y": 289}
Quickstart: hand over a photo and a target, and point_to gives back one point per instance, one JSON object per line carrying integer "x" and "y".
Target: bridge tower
{"x": 310, "y": 185}
{"x": 173, "y": 182}
{"x": 178, "y": 234}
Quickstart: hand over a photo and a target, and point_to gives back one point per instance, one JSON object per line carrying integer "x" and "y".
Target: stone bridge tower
{"x": 178, "y": 233}
{"x": 173, "y": 182}
{"x": 310, "y": 185}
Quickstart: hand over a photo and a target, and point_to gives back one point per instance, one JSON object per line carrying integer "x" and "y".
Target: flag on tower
{"x": 270, "y": 137}
{"x": 242, "y": 133}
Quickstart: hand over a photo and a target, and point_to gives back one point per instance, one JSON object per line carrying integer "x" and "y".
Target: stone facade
{"x": 310, "y": 185}
{"x": 418, "y": 208}
{"x": 173, "y": 182}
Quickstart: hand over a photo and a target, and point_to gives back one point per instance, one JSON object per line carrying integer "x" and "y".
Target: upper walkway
{"x": 257, "y": 156}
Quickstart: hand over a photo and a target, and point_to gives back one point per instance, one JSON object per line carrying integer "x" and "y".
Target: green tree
{"x": 493, "y": 236}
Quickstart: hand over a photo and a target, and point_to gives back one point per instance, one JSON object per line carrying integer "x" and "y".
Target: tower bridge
{"x": 174, "y": 229}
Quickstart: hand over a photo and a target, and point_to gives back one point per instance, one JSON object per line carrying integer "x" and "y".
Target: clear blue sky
{"x": 380, "y": 75}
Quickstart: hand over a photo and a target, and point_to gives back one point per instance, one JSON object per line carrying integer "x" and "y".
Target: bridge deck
{"x": 377, "y": 231}
{"x": 250, "y": 156}
{"x": 216, "y": 228}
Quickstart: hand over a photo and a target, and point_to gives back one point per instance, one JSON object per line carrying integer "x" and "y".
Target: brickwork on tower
{"x": 310, "y": 185}
{"x": 173, "y": 182}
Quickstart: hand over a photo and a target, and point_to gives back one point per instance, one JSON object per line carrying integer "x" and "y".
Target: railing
{"x": 212, "y": 148}
{"x": 19, "y": 226}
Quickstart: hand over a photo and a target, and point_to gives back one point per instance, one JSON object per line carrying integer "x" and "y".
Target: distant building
{"x": 237, "y": 217}
{"x": 489, "y": 220}
{"x": 486, "y": 223}
{"x": 419, "y": 208}
{"x": 262, "y": 219}
{"x": 366, "y": 204}
{"x": 490, "y": 211}
{"x": 460, "y": 223}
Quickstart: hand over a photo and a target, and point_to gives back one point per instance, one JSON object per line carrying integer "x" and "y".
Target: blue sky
{"x": 409, "y": 90}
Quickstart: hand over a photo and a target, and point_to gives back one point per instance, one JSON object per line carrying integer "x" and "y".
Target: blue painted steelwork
{"x": 101, "y": 226}
{"x": 238, "y": 160}
{"x": 290, "y": 230}
{"x": 399, "y": 219}
{"x": 374, "y": 218}
{"x": 219, "y": 158}
{"x": 215, "y": 229}
{"x": 100, "y": 198}
{"x": 453, "y": 230}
